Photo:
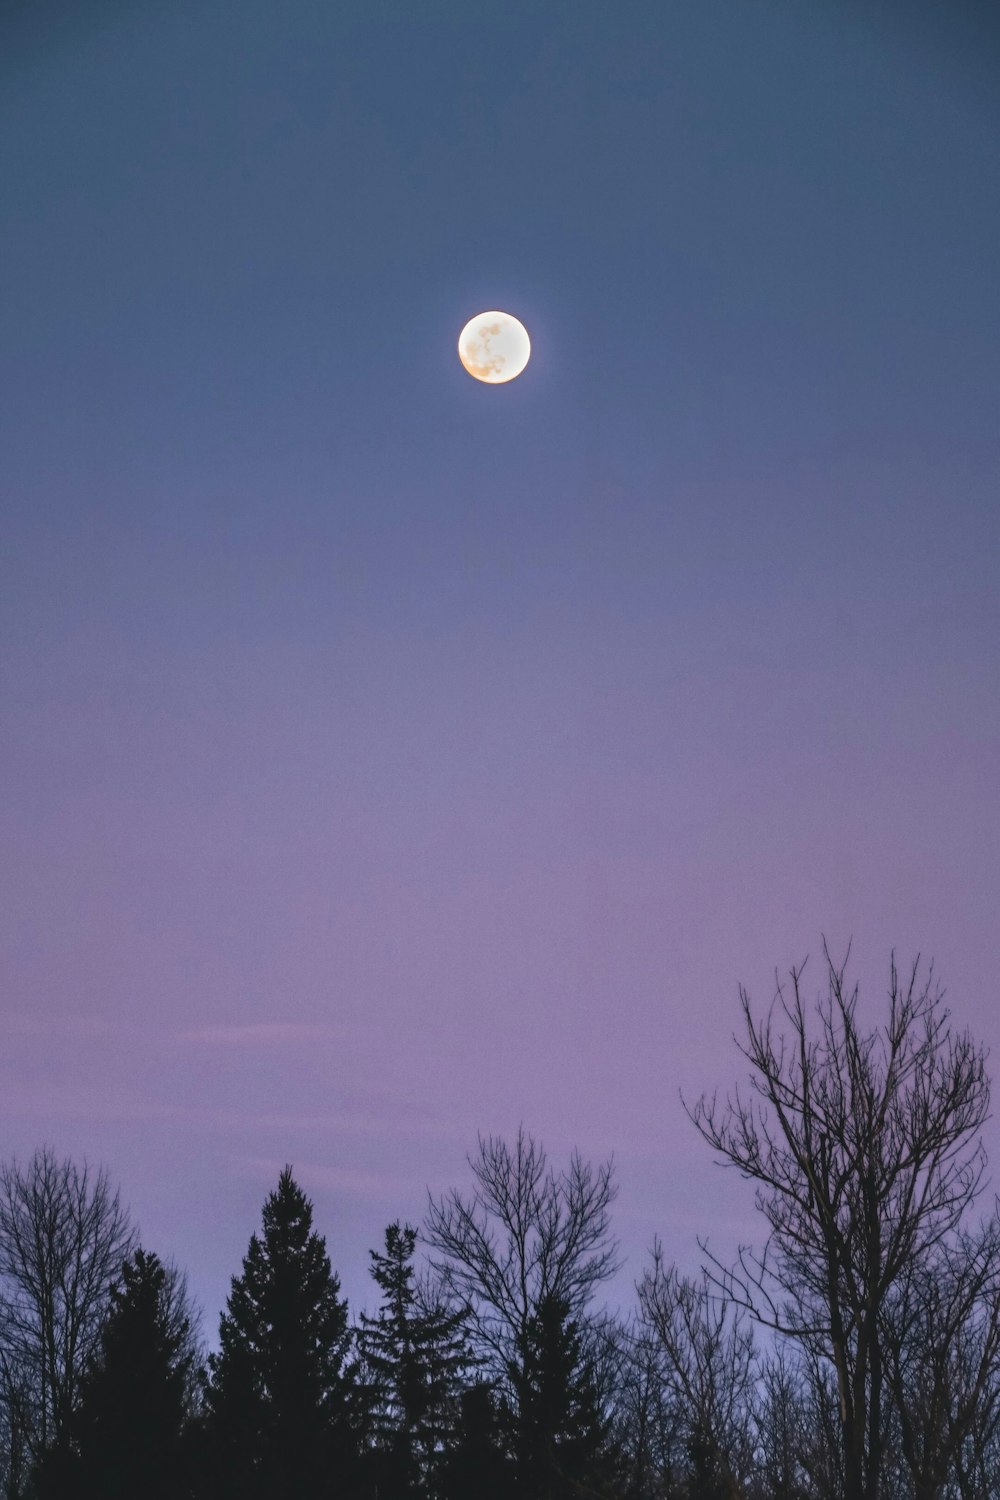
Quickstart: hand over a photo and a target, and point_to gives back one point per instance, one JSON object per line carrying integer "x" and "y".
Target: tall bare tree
{"x": 865, "y": 1149}
{"x": 63, "y": 1237}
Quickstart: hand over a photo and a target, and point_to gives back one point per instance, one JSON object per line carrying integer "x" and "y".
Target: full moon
{"x": 494, "y": 347}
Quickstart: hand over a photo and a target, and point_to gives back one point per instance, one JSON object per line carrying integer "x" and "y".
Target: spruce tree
{"x": 414, "y": 1356}
{"x": 558, "y": 1435}
{"x": 278, "y": 1411}
{"x": 126, "y": 1436}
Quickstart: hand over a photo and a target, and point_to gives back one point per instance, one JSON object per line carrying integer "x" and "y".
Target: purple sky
{"x": 387, "y": 757}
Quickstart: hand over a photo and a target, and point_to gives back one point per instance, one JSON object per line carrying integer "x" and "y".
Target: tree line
{"x": 853, "y": 1354}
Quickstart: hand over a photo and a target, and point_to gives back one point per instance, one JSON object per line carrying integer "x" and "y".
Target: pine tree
{"x": 126, "y": 1437}
{"x": 557, "y": 1433}
{"x": 278, "y": 1414}
{"x": 414, "y": 1355}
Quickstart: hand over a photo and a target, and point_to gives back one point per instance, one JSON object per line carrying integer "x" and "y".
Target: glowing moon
{"x": 494, "y": 347}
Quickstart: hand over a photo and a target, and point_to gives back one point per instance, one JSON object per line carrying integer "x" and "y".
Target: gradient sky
{"x": 388, "y": 757}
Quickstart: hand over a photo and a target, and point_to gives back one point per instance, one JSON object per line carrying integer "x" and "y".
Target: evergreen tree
{"x": 278, "y": 1395}
{"x": 476, "y": 1461}
{"x": 557, "y": 1432}
{"x": 126, "y": 1437}
{"x": 414, "y": 1355}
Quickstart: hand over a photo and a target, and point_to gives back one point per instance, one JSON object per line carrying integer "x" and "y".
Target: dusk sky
{"x": 387, "y": 757}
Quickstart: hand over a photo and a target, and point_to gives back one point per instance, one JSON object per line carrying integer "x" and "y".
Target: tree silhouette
{"x": 63, "y": 1237}
{"x": 500, "y": 1380}
{"x": 942, "y": 1342}
{"x": 413, "y": 1354}
{"x": 866, "y": 1154}
{"x": 524, "y": 1233}
{"x": 278, "y": 1393}
{"x": 126, "y": 1436}
{"x": 476, "y": 1461}
{"x": 557, "y": 1433}
{"x": 706, "y": 1362}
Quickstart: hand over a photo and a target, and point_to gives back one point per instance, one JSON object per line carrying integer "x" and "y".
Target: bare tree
{"x": 942, "y": 1342}
{"x": 707, "y": 1364}
{"x": 16, "y": 1410}
{"x": 649, "y": 1425}
{"x": 976, "y": 1474}
{"x": 524, "y": 1234}
{"x": 822, "y": 1451}
{"x": 524, "y": 1253}
{"x": 63, "y": 1238}
{"x": 865, "y": 1150}
{"x": 784, "y": 1439}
